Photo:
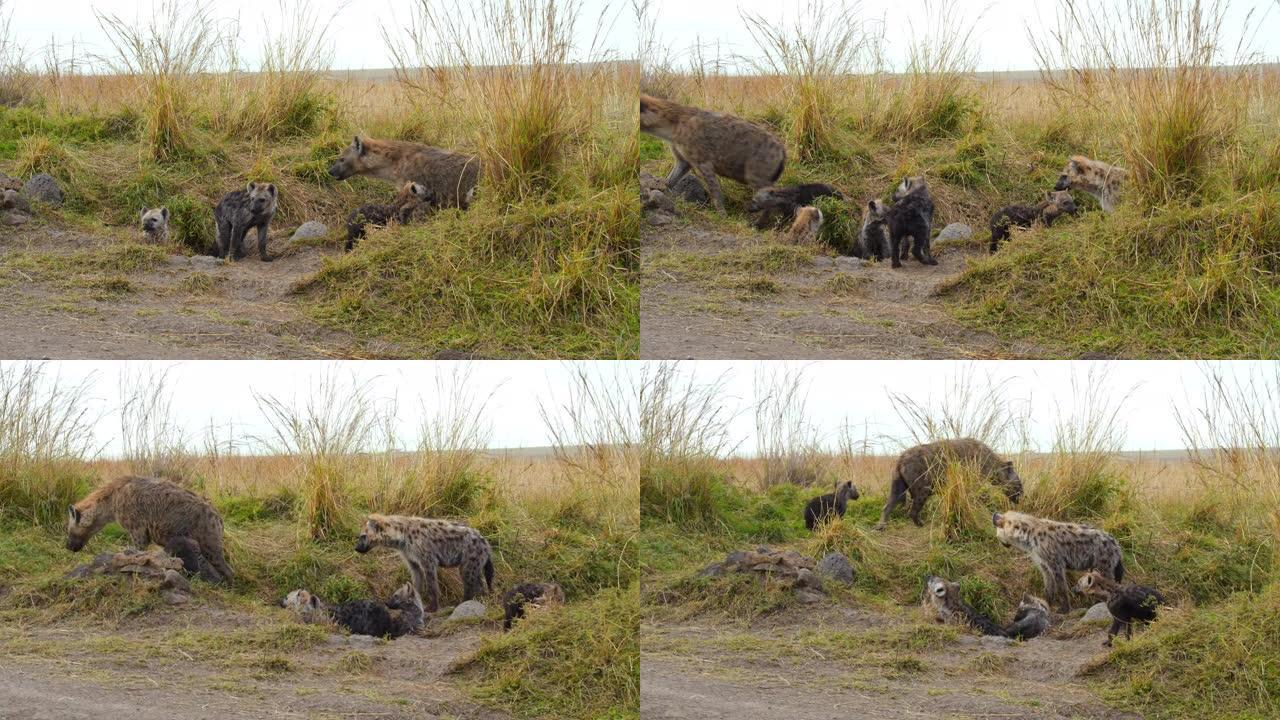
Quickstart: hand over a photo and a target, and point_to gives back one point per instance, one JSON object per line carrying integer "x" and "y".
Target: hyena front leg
{"x": 681, "y": 167}
{"x": 430, "y": 579}
{"x": 262, "y": 243}
{"x": 222, "y": 245}
{"x": 238, "y": 232}
{"x": 139, "y": 538}
{"x": 707, "y": 173}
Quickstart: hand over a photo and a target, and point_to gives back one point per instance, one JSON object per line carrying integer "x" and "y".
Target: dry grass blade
{"x": 153, "y": 442}
{"x": 973, "y": 405}
{"x": 789, "y": 445}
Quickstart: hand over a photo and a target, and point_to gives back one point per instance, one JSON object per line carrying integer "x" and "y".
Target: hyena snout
{"x": 340, "y": 170}
{"x": 363, "y": 545}
{"x": 1064, "y": 183}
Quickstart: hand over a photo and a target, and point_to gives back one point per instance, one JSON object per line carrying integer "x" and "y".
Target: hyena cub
{"x": 534, "y": 595}
{"x": 922, "y": 468}
{"x": 426, "y": 545}
{"x": 1126, "y": 603}
{"x": 155, "y": 224}
{"x": 1053, "y": 206}
{"x": 713, "y": 144}
{"x": 775, "y": 204}
{"x": 804, "y": 229}
{"x": 1056, "y": 547}
{"x": 240, "y": 211}
{"x": 1097, "y": 178}
{"x": 911, "y": 216}
{"x": 943, "y": 600}
{"x": 1030, "y": 620}
{"x": 826, "y": 507}
{"x": 412, "y": 198}
{"x": 154, "y": 511}
{"x": 362, "y": 617}
{"x": 873, "y": 237}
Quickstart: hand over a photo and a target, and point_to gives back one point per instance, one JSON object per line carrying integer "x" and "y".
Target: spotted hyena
{"x": 713, "y": 145}
{"x": 532, "y": 595}
{"x": 910, "y": 216}
{"x": 426, "y": 545}
{"x": 920, "y": 469}
{"x": 1056, "y": 547}
{"x": 806, "y": 226}
{"x": 1054, "y": 205}
{"x": 942, "y": 600}
{"x": 1030, "y": 620}
{"x": 362, "y": 617}
{"x": 239, "y": 212}
{"x": 154, "y": 511}
{"x": 1127, "y": 603}
{"x": 1095, "y": 177}
{"x": 412, "y": 200}
{"x": 873, "y": 236}
{"x": 155, "y": 225}
{"x": 449, "y": 177}
{"x": 825, "y": 507}
{"x": 776, "y": 204}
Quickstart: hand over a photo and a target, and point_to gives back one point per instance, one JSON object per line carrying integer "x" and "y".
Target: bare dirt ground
{"x": 709, "y": 671}
{"x": 833, "y": 308}
{"x": 82, "y": 672}
{"x": 175, "y": 311}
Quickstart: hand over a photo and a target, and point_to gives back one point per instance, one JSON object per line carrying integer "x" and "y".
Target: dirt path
{"x": 66, "y": 673}
{"x": 709, "y": 672}
{"x": 178, "y": 310}
{"x": 833, "y": 308}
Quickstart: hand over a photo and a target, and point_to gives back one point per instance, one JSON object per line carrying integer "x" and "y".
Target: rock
{"x": 12, "y": 200}
{"x": 656, "y": 201}
{"x": 835, "y": 566}
{"x": 15, "y": 219}
{"x": 649, "y": 182}
{"x": 174, "y": 580}
{"x": 309, "y": 230}
{"x": 468, "y": 610}
{"x": 204, "y": 262}
{"x": 173, "y": 597}
{"x": 691, "y": 190}
{"x": 996, "y": 641}
{"x": 8, "y": 182}
{"x": 659, "y": 219}
{"x": 809, "y": 597}
{"x": 1097, "y": 614}
{"x": 43, "y": 188}
{"x": 712, "y": 570}
{"x": 955, "y": 231}
{"x": 807, "y": 579}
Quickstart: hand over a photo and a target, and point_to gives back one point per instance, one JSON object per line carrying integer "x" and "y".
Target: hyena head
{"x": 356, "y": 159}
{"x": 378, "y": 530}
{"x": 1031, "y": 602}
{"x": 155, "y": 220}
{"x": 1010, "y": 481}
{"x": 1092, "y": 583}
{"x": 300, "y": 601}
{"x": 654, "y": 118}
{"x": 848, "y": 490}
{"x": 876, "y": 210}
{"x": 83, "y": 523}
{"x": 941, "y": 594}
{"x": 413, "y": 196}
{"x": 404, "y": 598}
{"x": 908, "y": 186}
{"x": 1073, "y": 175}
{"x": 262, "y": 198}
{"x": 1063, "y": 201}
{"x": 764, "y": 198}
{"x": 1013, "y": 529}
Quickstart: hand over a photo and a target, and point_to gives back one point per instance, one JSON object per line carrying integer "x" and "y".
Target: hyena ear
{"x": 315, "y": 602}
{"x": 74, "y": 514}
{"x": 143, "y": 214}
{"x": 271, "y": 189}
{"x": 164, "y": 214}
{"x": 251, "y": 186}
{"x": 358, "y": 145}
{"x": 996, "y": 519}
{"x": 419, "y": 190}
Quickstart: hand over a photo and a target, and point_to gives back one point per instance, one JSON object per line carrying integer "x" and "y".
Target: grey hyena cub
{"x": 155, "y": 223}
{"x": 873, "y": 237}
{"x": 238, "y": 212}
{"x": 411, "y": 199}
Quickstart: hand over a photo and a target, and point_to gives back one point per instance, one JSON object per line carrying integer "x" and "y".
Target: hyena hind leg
{"x": 262, "y": 243}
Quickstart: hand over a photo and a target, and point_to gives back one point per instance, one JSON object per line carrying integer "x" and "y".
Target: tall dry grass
{"x": 17, "y": 81}
{"x": 972, "y": 404}
{"x": 787, "y": 442}
{"x": 152, "y": 441}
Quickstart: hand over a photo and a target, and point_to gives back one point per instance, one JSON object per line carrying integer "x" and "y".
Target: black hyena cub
{"x": 827, "y": 507}
{"x": 238, "y": 212}
{"x": 410, "y": 201}
{"x": 777, "y": 204}
{"x": 911, "y": 215}
{"x": 533, "y": 595}
{"x": 1055, "y": 205}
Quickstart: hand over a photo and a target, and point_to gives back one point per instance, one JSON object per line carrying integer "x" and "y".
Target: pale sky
{"x": 355, "y": 33}
{"x": 1001, "y": 25}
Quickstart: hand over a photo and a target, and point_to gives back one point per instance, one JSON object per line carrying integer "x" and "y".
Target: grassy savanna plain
{"x": 1184, "y": 268}
{"x": 1202, "y": 525}
{"x": 542, "y": 265}
{"x": 292, "y": 503}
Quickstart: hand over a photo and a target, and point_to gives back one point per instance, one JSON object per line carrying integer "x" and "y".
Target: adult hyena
{"x": 923, "y": 467}
{"x": 450, "y": 178}
{"x": 154, "y": 511}
{"x": 713, "y": 144}
{"x": 426, "y": 545}
{"x": 1056, "y": 547}
{"x": 1095, "y": 177}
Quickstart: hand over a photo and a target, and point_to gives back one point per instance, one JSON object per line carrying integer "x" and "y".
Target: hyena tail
{"x": 1119, "y": 572}
{"x": 488, "y": 573}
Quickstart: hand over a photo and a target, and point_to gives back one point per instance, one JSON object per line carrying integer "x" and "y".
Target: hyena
{"x": 776, "y": 204}
{"x": 240, "y": 211}
{"x": 534, "y": 595}
{"x": 1056, "y": 547}
{"x": 362, "y": 617}
{"x": 873, "y": 237}
{"x": 154, "y": 511}
{"x": 942, "y": 599}
{"x": 1127, "y": 603}
{"x": 911, "y": 215}
{"x": 1054, "y": 205}
{"x": 1030, "y": 620}
{"x": 804, "y": 229}
{"x": 155, "y": 225}
{"x": 1097, "y": 178}
{"x": 713, "y": 144}
{"x": 923, "y": 467}
{"x": 426, "y": 545}
{"x": 412, "y": 199}
{"x": 825, "y": 507}
{"x": 449, "y": 177}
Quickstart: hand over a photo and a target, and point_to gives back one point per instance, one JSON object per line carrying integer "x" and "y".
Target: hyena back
{"x": 154, "y": 511}
{"x": 1056, "y": 547}
{"x": 921, "y": 468}
{"x": 1054, "y": 205}
{"x": 426, "y": 545}
{"x": 449, "y": 177}
{"x": 713, "y": 145}
{"x": 239, "y": 212}
{"x": 1095, "y": 177}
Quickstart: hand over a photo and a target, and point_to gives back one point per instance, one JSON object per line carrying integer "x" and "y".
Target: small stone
{"x": 174, "y": 580}
{"x": 808, "y": 597}
{"x": 8, "y": 182}
{"x": 649, "y": 182}
{"x": 1097, "y": 614}
{"x": 808, "y": 580}
{"x": 659, "y": 219}
{"x": 657, "y": 201}
{"x": 309, "y": 230}
{"x": 44, "y": 188}
{"x": 955, "y": 231}
{"x": 14, "y": 219}
{"x": 471, "y": 609}
{"x": 836, "y": 567}
{"x": 175, "y": 597}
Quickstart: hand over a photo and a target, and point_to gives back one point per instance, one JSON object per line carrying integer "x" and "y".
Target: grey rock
{"x": 955, "y": 231}
{"x": 1097, "y": 614}
{"x": 808, "y": 580}
{"x": 205, "y": 262}
{"x": 469, "y": 610}
{"x": 808, "y": 597}
{"x": 691, "y": 190}
{"x": 659, "y": 219}
{"x": 649, "y": 182}
{"x": 43, "y": 188}
{"x": 175, "y": 597}
{"x": 712, "y": 570}
{"x": 8, "y": 182}
{"x": 656, "y": 201}
{"x": 15, "y": 219}
{"x": 174, "y": 580}
{"x": 835, "y": 566}
{"x": 309, "y": 230}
